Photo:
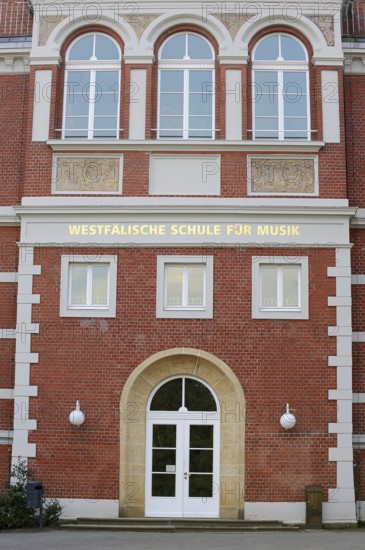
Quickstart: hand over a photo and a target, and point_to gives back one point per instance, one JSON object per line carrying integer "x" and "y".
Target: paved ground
{"x": 86, "y": 540}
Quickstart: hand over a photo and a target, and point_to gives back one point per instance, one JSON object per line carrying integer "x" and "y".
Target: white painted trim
{"x": 8, "y": 277}
{"x": 358, "y": 279}
{"x": 91, "y": 508}
{"x": 23, "y": 359}
{"x": 358, "y": 441}
{"x": 288, "y": 512}
{"x": 6, "y": 437}
{"x": 341, "y": 499}
{"x": 191, "y": 145}
{"x": 358, "y": 397}
{"x": 6, "y": 394}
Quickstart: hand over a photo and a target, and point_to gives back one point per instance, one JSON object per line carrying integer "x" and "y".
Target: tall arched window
{"x": 92, "y": 88}
{"x": 280, "y": 89}
{"x": 186, "y": 88}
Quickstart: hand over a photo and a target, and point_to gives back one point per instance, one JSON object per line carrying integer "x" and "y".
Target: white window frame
{"x": 91, "y": 67}
{"x": 281, "y": 67}
{"x": 88, "y": 310}
{"x": 185, "y": 311}
{"x": 187, "y": 66}
{"x": 279, "y": 311}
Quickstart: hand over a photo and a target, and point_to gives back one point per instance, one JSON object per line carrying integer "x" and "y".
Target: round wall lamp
{"x": 287, "y": 420}
{"x": 77, "y": 417}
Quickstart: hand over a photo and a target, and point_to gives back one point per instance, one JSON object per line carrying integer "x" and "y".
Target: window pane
{"x": 291, "y": 50}
{"x": 100, "y": 285}
{"x": 295, "y": 106}
{"x": 168, "y": 397}
{"x": 77, "y": 80}
{"x": 77, "y": 104}
{"x": 107, "y": 81}
{"x": 201, "y": 81}
{"x": 198, "y": 48}
{"x": 171, "y": 104}
{"x": 269, "y": 286}
{"x": 78, "y": 284}
{"x": 290, "y": 287}
{"x": 200, "y": 104}
{"x": 105, "y": 127}
{"x": 76, "y": 127}
{"x": 163, "y": 485}
{"x": 200, "y": 124}
{"x": 172, "y": 81}
{"x": 267, "y": 105}
{"x": 201, "y": 486}
{"x": 82, "y": 49}
{"x": 164, "y": 435}
{"x": 105, "y": 48}
{"x": 201, "y": 437}
{"x": 201, "y": 461}
{"x": 268, "y": 49}
{"x": 267, "y": 123}
{"x": 295, "y": 128}
{"x": 161, "y": 458}
{"x": 198, "y": 397}
{"x": 174, "y": 48}
{"x": 266, "y": 82}
{"x": 295, "y": 82}
{"x": 105, "y": 106}
{"x": 174, "y": 282}
{"x": 196, "y": 285}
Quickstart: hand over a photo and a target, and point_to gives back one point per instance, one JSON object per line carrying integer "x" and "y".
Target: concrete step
{"x": 173, "y": 525}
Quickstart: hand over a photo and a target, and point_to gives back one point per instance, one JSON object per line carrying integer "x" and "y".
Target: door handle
{"x": 186, "y": 474}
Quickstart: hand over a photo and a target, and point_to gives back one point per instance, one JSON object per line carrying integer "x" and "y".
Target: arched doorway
{"x": 182, "y": 450}
{"x": 135, "y": 399}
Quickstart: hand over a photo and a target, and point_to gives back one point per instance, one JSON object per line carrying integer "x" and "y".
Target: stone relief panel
{"x": 139, "y": 23}
{"x": 46, "y": 27}
{"x": 283, "y": 175}
{"x": 233, "y": 21}
{"x": 326, "y": 24}
{"x": 78, "y": 174}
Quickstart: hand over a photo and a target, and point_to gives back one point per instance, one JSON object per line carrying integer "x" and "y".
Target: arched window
{"x": 186, "y": 88}
{"x": 280, "y": 89}
{"x": 92, "y": 88}
{"x": 183, "y": 394}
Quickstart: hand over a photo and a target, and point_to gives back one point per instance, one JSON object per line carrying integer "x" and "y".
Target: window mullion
{"x": 89, "y": 282}
{"x": 92, "y": 95}
{"x": 280, "y": 287}
{"x": 185, "y": 282}
{"x": 186, "y": 105}
{"x": 281, "y": 104}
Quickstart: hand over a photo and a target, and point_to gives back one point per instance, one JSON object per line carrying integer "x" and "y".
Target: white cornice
{"x": 8, "y": 216}
{"x": 181, "y": 145}
{"x": 147, "y": 205}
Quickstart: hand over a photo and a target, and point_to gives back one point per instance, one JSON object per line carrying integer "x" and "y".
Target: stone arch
{"x": 66, "y": 27}
{"x": 305, "y": 26}
{"x": 165, "y": 22}
{"x": 133, "y": 403}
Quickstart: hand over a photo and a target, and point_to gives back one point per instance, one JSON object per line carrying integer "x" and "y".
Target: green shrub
{"x": 14, "y": 510}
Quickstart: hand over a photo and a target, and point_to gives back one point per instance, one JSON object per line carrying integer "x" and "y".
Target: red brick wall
{"x": 14, "y": 96}
{"x": 90, "y": 360}
{"x": 5, "y": 456}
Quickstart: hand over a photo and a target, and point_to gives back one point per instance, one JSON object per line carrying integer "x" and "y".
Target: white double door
{"x": 182, "y": 465}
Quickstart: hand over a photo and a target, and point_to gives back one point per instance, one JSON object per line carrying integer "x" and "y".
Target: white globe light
{"x": 288, "y": 420}
{"x": 77, "y": 417}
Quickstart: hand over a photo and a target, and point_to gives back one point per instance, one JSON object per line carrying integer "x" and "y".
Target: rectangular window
{"x": 88, "y": 289}
{"x": 185, "y": 286}
{"x": 279, "y": 288}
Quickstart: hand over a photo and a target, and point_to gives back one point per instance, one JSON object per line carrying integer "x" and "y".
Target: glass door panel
{"x": 164, "y": 460}
{"x": 201, "y": 446}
